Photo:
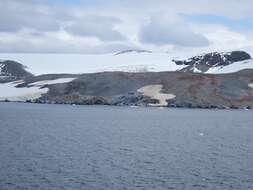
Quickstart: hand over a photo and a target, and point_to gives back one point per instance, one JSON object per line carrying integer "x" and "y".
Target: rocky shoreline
{"x": 98, "y": 103}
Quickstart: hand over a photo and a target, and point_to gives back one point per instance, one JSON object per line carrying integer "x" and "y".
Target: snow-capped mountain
{"x": 133, "y": 61}
{"x": 216, "y": 62}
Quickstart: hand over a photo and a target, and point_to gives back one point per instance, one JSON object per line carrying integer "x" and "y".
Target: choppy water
{"x": 58, "y": 147}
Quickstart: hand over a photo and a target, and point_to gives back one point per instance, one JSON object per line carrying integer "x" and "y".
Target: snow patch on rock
{"x": 154, "y": 92}
{"x": 251, "y": 85}
{"x": 50, "y": 82}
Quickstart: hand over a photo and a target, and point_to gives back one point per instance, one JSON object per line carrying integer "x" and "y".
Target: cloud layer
{"x": 163, "y": 30}
{"x": 106, "y": 26}
{"x": 101, "y": 27}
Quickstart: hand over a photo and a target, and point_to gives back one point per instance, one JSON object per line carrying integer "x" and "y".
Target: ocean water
{"x": 57, "y": 147}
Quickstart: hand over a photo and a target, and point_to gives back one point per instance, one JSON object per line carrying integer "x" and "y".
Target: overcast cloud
{"x": 96, "y": 26}
{"x": 101, "y": 27}
{"x": 163, "y": 30}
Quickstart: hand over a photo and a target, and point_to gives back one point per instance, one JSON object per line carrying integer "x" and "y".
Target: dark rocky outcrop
{"x": 11, "y": 70}
{"x": 215, "y": 59}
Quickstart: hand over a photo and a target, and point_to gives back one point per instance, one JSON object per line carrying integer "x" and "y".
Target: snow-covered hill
{"x": 234, "y": 67}
{"x": 132, "y": 61}
{"x": 11, "y": 92}
{"x": 86, "y": 63}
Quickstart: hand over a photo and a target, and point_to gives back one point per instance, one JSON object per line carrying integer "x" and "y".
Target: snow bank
{"x": 49, "y": 82}
{"x": 234, "y": 67}
{"x": 9, "y": 91}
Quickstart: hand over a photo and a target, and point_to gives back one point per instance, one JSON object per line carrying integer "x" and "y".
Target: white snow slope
{"x": 92, "y": 63}
{"x": 128, "y": 62}
{"x": 9, "y": 91}
{"x": 234, "y": 67}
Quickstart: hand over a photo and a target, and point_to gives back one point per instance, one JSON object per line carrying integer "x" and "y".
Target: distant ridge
{"x": 132, "y": 51}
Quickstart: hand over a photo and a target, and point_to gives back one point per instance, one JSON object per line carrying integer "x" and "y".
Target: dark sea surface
{"x": 58, "y": 147}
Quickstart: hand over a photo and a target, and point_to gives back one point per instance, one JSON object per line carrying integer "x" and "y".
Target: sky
{"x": 106, "y": 26}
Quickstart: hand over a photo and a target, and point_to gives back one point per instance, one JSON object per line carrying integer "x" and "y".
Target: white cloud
{"x": 229, "y": 8}
{"x": 170, "y": 30}
{"x": 101, "y": 27}
{"x": 56, "y": 42}
{"x": 18, "y": 15}
{"x": 105, "y": 26}
{"x": 222, "y": 38}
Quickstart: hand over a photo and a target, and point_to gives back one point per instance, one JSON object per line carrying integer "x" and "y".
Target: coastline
{"x": 133, "y": 106}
